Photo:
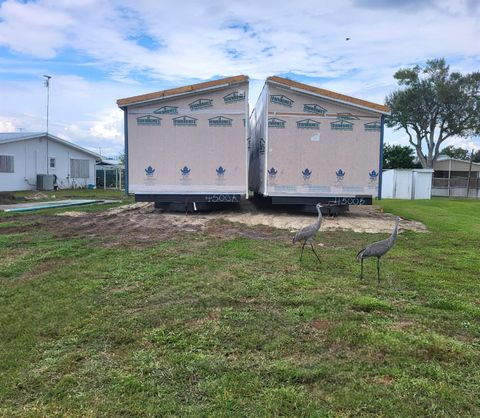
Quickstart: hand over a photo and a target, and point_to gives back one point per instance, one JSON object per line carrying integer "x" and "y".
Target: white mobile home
{"x": 25, "y": 155}
{"x": 187, "y": 147}
{"x": 309, "y": 145}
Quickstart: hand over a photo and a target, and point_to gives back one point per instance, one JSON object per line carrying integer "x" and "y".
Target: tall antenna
{"x": 47, "y": 85}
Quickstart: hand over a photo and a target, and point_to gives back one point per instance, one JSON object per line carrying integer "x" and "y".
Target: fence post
{"x": 469, "y": 173}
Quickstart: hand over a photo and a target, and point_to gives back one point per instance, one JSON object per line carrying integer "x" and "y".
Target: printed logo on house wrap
{"x": 276, "y": 123}
{"x": 167, "y": 110}
{"x": 150, "y": 175}
{"x": 314, "y": 108}
{"x": 372, "y": 127}
{"x": 346, "y": 116}
{"x": 341, "y": 125}
{"x": 149, "y": 171}
{"x": 308, "y": 124}
{"x": 340, "y": 174}
{"x": 220, "y": 177}
{"x": 185, "y": 171}
{"x": 184, "y": 121}
{"x": 234, "y": 96}
{"x": 282, "y": 100}
{"x": 148, "y": 120}
{"x": 272, "y": 172}
{"x": 201, "y": 104}
{"x": 272, "y": 176}
{"x": 306, "y": 174}
{"x": 185, "y": 174}
{"x": 220, "y": 121}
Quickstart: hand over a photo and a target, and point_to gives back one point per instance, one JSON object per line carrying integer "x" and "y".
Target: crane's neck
{"x": 319, "y": 219}
{"x": 393, "y": 237}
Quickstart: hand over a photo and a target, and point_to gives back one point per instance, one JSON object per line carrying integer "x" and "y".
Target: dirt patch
{"x": 402, "y": 325}
{"x": 140, "y": 224}
{"x": 37, "y": 196}
{"x": 322, "y": 324}
{"x": 383, "y": 380}
{"x": 41, "y": 268}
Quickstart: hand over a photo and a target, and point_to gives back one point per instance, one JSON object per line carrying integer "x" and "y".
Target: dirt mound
{"x": 141, "y": 224}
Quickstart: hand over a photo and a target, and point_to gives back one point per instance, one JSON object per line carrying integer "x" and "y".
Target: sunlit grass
{"x": 197, "y": 326}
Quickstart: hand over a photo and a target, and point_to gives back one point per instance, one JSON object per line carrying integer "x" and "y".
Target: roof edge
{"x": 328, "y": 94}
{"x": 32, "y": 135}
{"x": 192, "y": 88}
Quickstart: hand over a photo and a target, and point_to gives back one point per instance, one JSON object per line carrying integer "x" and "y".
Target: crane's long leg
{"x": 303, "y": 246}
{"x": 361, "y": 268}
{"x": 313, "y": 249}
{"x": 378, "y": 270}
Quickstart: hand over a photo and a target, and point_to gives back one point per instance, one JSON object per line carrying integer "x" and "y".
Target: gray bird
{"x": 378, "y": 249}
{"x": 307, "y": 233}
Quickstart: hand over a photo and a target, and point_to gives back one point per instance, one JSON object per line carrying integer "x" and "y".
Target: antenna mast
{"x": 47, "y": 85}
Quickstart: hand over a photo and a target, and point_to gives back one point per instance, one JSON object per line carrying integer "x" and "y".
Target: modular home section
{"x": 310, "y": 144}
{"x": 188, "y": 144}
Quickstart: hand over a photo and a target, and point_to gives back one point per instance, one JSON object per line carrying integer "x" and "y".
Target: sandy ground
{"x": 358, "y": 219}
{"x": 140, "y": 224}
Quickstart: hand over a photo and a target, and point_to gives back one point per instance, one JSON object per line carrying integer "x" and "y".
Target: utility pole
{"x": 47, "y": 85}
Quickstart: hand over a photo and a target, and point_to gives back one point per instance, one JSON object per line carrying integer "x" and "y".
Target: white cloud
{"x": 144, "y": 46}
{"x": 7, "y": 126}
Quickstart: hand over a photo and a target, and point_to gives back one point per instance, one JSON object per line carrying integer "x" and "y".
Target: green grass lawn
{"x": 198, "y": 325}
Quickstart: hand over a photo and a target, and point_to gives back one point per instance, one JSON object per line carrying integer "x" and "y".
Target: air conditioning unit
{"x": 44, "y": 182}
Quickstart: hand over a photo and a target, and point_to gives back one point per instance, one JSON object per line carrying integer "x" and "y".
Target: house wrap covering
{"x": 189, "y": 140}
{"x": 311, "y": 142}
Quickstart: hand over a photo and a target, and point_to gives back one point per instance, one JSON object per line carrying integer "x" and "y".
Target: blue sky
{"x": 100, "y": 51}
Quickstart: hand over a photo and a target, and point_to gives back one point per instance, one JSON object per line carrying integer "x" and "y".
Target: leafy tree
{"x": 434, "y": 105}
{"x": 398, "y": 156}
{"x": 456, "y": 152}
{"x": 476, "y": 157}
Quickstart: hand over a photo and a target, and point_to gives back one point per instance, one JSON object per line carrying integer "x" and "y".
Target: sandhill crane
{"x": 378, "y": 249}
{"x": 307, "y": 233}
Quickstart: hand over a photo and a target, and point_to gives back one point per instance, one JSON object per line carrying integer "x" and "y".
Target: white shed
{"x": 407, "y": 184}
{"x": 24, "y": 155}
